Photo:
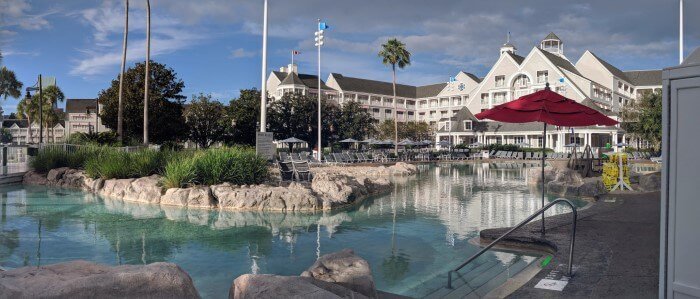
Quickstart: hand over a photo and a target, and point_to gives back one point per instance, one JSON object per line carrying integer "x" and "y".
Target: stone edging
{"x": 330, "y": 188}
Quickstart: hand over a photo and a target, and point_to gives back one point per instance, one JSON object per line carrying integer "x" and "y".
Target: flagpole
{"x": 263, "y": 89}
{"x": 680, "y": 34}
{"x": 320, "y": 42}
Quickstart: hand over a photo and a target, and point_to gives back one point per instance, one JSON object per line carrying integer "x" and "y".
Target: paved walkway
{"x": 616, "y": 253}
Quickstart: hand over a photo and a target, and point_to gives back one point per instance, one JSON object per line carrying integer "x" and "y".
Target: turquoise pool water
{"x": 410, "y": 236}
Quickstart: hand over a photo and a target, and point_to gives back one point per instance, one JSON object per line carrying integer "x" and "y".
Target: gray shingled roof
{"x": 615, "y": 71}
{"x": 560, "y": 62}
{"x": 427, "y": 91}
{"x": 279, "y": 75}
{"x": 309, "y": 81}
{"x": 7, "y": 123}
{"x": 474, "y": 77}
{"x": 80, "y": 105}
{"x": 644, "y": 78}
{"x": 591, "y": 104}
{"x": 459, "y": 118}
{"x": 551, "y": 35}
{"x": 519, "y": 59}
{"x": 374, "y": 87}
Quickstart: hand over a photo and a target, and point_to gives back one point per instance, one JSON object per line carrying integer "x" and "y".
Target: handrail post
{"x": 573, "y": 240}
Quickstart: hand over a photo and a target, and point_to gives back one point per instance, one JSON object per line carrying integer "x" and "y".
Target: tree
{"x": 294, "y": 116}
{"x": 394, "y": 53}
{"x": 355, "y": 122}
{"x": 29, "y": 108}
{"x": 165, "y": 102}
{"x": 415, "y": 131}
{"x": 205, "y": 120}
{"x": 643, "y": 118}
{"x": 120, "y": 118}
{"x": 9, "y": 85}
{"x": 243, "y": 115}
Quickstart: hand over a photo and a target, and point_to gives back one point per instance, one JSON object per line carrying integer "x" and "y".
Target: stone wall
{"x": 331, "y": 187}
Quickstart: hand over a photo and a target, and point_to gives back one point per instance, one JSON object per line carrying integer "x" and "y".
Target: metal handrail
{"x": 540, "y": 211}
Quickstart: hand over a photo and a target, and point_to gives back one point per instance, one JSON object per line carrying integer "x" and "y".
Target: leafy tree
{"x": 295, "y": 116}
{"x": 394, "y": 53}
{"x": 29, "y": 108}
{"x": 415, "y": 131}
{"x": 9, "y": 85}
{"x": 243, "y": 115}
{"x": 643, "y": 118}
{"x": 164, "y": 104}
{"x": 205, "y": 120}
{"x": 355, "y": 122}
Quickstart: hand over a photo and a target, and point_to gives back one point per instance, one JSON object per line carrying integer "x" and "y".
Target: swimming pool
{"x": 410, "y": 236}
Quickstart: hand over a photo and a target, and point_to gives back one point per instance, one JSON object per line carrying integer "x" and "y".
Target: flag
{"x": 295, "y": 52}
{"x": 323, "y": 26}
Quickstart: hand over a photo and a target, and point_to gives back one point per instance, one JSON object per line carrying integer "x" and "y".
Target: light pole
{"x": 37, "y": 87}
{"x": 319, "y": 42}
{"x": 263, "y": 89}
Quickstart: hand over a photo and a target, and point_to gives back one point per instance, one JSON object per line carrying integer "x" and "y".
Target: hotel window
{"x": 499, "y": 97}
{"x": 443, "y": 113}
{"x": 485, "y": 99}
{"x": 522, "y": 81}
{"x": 619, "y": 100}
{"x": 542, "y": 76}
{"x": 518, "y": 139}
{"x": 500, "y": 81}
{"x": 423, "y": 104}
{"x": 467, "y": 125}
{"x": 456, "y": 101}
{"x": 432, "y": 114}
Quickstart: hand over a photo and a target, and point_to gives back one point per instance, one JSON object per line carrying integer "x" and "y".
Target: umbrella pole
{"x": 544, "y": 144}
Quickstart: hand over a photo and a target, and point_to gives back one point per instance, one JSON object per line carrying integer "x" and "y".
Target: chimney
{"x": 292, "y": 68}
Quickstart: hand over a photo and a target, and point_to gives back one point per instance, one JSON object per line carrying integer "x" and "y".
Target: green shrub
{"x": 147, "y": 162}
{"x": 109, "y": 164}
{"x": 180, "y": 173}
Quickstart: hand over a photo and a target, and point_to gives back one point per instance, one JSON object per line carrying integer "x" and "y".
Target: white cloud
{"x": 16, "y": 13}
{"x": 242, "y": 53}
{"x": 168, "y": 35}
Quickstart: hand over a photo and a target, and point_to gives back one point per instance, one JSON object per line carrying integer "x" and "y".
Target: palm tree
{"x": 394, "y": 53}
{"x": 148, "y": 60}
{"x": 120, "y": 110}
{"x": 9, "y": 85}
{"x": 29, "y": 108}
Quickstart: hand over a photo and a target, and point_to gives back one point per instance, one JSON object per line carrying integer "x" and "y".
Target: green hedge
{"x": 236, "y": 165}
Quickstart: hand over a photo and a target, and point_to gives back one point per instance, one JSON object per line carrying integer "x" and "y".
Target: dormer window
{"x": 467, "y": 125}
{"x": 500, "y": 81}
{"x": 542, "y": 76}
{"x": 521, "y": 81}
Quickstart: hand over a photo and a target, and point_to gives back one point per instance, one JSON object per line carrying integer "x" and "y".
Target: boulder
{"x": 82, "y": 279}
{"x": 196, "y": 197}
{"x": 116, "y": 188}
{"x": 650, "y": 182}
{"x": 145, "y": 189}
{"x": 34, "y": 178}
{"x": 294, "y": 197}
{"x": 346, "y": 269}
{"x": 272, "y": 286}
{"x": 56, "y": 174}
{"x": 402, "y": 168}
{"x": 534, "y": 175}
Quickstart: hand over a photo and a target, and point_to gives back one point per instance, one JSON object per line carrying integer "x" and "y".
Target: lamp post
{"x": 37, "y": 87}
{"x": 319, "y": 42}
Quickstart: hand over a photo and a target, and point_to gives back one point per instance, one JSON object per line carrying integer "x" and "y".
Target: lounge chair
{"x": 339, "y": 158}
{"x": 301, "y": 170}
{"x": 284, "y": 157}
{"x": 286, "y": 170}
{"x": 520, "y": 156}
{"x": 329, "y": 159}
{"x": 312, "y": 159}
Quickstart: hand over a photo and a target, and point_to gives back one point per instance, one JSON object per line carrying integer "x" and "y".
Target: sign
{"x": 264, "y": 146}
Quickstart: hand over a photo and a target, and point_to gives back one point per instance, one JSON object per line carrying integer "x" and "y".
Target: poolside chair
{"x": 536, "y": 156}
{"x": 329, "y": 159}
{"x": 312, "y": 159}
{"x": 286, "y": 170}
{"x": 350, "y": 157}
{"x": 301, "y": 170}
{"x": 284, "y": 157}
{"x": 339, "y": 158}
{"x": 520, "y": 156}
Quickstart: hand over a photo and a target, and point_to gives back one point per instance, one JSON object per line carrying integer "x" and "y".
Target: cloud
{"x": 16, "y": 13}
{"x": 168, "y": 35}
{"x": 242, "y": 53}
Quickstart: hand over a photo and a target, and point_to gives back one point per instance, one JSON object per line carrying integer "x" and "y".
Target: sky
{"x": 215, "y": 45}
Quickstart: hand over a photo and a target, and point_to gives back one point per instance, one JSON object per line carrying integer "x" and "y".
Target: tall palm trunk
{"x": 148, "y": 60}
{"x": 120, "y": 111}
{"x": 396, "y": 113}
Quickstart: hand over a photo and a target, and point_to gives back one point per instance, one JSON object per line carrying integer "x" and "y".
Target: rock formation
{"x": 82, "y": 279}
{"x": 566, "y": 182}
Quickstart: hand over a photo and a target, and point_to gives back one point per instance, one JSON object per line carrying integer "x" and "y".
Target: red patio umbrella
{"x": 548, "y": 107}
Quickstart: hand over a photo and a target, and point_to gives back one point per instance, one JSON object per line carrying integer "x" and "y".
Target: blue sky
{"x": 214, "y": 45}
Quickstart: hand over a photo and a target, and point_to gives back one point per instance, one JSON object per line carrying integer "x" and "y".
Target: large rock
{"x": 346, "y": 269}
{"x": 34, "y": 178}
{"x": 56, "y": 174}
{"x": 339, "y": 189}
{"x": 294, "y": 197}
{"x": 116, "y": 188}
{"x": 650, "y": 182}
{"x": 81, "y": 279}
{"x": 252, "y": 286}
{"x": 197, "y": 197}
{"x": 145, "y": 189}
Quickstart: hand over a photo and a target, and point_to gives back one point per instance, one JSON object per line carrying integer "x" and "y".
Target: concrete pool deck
{"x": 616, "y": 254}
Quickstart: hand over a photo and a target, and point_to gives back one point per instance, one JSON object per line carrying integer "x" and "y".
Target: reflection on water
{"x": 409, "y": 236}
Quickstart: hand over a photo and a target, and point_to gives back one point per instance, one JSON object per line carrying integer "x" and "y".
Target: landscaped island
{"x": 232, "y": 178}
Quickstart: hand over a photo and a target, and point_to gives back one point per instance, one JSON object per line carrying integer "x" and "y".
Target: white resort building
{"x": 450, "y": 107}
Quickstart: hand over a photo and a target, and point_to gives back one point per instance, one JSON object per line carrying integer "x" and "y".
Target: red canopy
{"x": 548, "y": 107}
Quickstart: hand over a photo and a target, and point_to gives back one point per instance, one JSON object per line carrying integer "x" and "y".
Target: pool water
{"x": 410, "y": 236}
